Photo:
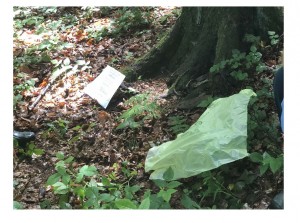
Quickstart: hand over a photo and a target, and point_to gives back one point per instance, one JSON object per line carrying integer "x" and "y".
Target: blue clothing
{"x": 278, "y": 94}
{"x": 281, "y": 117}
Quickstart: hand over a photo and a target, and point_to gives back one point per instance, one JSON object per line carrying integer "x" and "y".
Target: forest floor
{"x": 69, "y": 121}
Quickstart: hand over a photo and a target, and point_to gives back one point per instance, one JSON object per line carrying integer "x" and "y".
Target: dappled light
{"x": 76, "y": 149}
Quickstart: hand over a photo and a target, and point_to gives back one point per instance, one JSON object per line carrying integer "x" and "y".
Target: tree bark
{"x": 202, "y": 37}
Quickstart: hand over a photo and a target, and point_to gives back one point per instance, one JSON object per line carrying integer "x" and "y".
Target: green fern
{"x": 178, "y": 124}
{"x": 142, "y": 109}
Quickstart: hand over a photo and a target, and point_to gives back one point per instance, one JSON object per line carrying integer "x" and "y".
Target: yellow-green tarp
{"x": 218, "y": 137}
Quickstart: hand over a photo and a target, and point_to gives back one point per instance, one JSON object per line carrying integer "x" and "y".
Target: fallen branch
{"x": 54, "y": 76}
{"x": 39, "y": 97}
{"x": 25, "y": 119}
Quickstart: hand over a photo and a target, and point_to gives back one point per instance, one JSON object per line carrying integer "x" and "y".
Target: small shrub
{"x": 242, "y": 64}
{"x": 266, "y": 161}
{"x": 142, "y": 108}
{"x": 178, "y": 124}
{"x": 131, "y": 19}
{"x": 59, "y": 127}
{"x": 273, "y": 37}
{"x": 85, "y": 188}
{"x": 18, "y": 205}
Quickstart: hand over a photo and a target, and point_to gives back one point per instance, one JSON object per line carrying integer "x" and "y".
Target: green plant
{"x": 46, "y": 204}
{"x": 212, "y": 185}
{"x": 273, "y": 37}
{"x": 114, "y": 60}
{"x": 130, "y": 19}
{"x": 83, "y": 187}
{"x": 206, "y": 102}
{"x": 128, "y": 56}
{"x": 17, "y": 205}
{"x": 255, "y": 40}
{"x": 266, "y": 161}
{"x": 89, "y": 190}
{"x": 214, "y": 192}
{"x": 187, "y": 202}
{"x": 64, "y": 181}
{"x": 263, "y": 126}
{"x": 29, "y": 151}
{"x": 70, "y": 20}
{"x": 26, "y": 60}
{"x": 127, "y": 172}
{"x": 20, "y": 12}
{"x": 64, "y": 67}
{"x": 177, "y": 11}
{"x": 59, "y": 127}
{"x": 51, "y": 44}
{"x": 97, "y": 35}
{"x": 142, "y": 109}
{"x": 167, "y": 188}
{"x": 40, "y": 52}
{"x": 54, "y": 25}
{"x": 178, "y": 124}
{"x": 33, "y": 21}
{"x": 25, "y": 84}
{"x": 241, "y": 64}
{"x": 81, "y": 131}
{"x": 58, "y": 25}
{"x": 49, "y": 10}
{"x": 16, "y": 99}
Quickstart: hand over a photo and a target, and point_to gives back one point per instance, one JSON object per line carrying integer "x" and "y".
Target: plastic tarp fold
{"x": 218, "y": 137}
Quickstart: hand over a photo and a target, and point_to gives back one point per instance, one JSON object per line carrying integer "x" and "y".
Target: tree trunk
{"x": 202, "y": 37}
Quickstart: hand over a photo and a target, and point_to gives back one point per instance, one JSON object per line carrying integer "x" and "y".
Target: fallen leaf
{"x": 44, "y": 83}
{"x": 60, "y": 83}
{"x": 103, "y": 116}
{"x": 80, "y": 35}
{"x": 90, "y": 42}
{"x": 61, "y": 104}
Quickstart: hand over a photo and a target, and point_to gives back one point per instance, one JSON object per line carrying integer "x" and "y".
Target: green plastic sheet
{"x": 218, "y": 137}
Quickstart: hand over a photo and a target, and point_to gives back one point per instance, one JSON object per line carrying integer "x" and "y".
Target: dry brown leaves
{"x": 66, "y": 106}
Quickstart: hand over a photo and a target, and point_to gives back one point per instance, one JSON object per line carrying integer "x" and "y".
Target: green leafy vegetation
{"x": 273, "y": 37}
{"x": 89, "y": 190}
{"x": 178, "y": 124}
{"x": 25, "y": 84}
{"x": 142, "y": 109}
{"x": 74, "y": 44}
{"x": 264, "y": 139}
{"x": 266, "y": 162}
{"x": 17, "y": 205}
{"x": 29, "y": 150}
{"x": 205, "y": 103}
{"x": 242, "y": 64}
{"x": 130, "y": 19}
{"x": 58, "y": 127}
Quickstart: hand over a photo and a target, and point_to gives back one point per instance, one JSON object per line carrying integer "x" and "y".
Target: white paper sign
{"x": 104, "y": 86}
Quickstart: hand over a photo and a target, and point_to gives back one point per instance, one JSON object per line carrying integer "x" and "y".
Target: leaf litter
{"x": 66, "y": 120}
{"x": 82, "y": 128}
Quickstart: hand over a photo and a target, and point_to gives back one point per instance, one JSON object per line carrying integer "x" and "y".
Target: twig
{"x": 54, "y": 76}
{"x": 25, "y": 119}
{"x": 39, "y": 97}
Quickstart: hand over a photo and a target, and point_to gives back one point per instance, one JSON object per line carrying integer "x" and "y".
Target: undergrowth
{"x": 84, "y": 187}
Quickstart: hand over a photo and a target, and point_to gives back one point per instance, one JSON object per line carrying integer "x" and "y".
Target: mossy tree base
{"x": 201, "y": 37}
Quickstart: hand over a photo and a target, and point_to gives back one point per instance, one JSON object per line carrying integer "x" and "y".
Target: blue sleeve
{"x": 281, "y": 117}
